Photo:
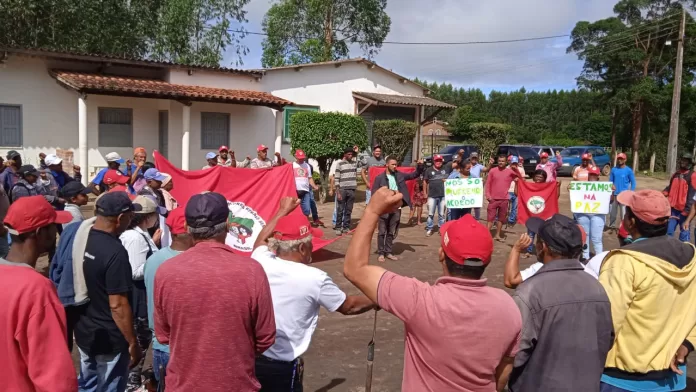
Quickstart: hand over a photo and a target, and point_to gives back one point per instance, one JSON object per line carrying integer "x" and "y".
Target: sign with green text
{"x": 464, "y": 193}
{"x": 590, "y": 197}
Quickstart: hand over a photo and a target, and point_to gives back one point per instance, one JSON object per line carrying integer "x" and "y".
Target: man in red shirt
{"x": 461, "y": 335}
{"x": 212, "y": 307}
{"x": 496, "y": 192}
{"x": 34, "y": 356}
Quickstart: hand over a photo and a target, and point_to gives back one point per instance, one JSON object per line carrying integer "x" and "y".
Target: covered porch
{"x": 118, "y": 113}
{"x": 376, "y": 106}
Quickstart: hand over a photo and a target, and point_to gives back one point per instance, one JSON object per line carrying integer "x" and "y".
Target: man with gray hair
{"x": 212, "y": 307}
{"x": 284, "y": 248}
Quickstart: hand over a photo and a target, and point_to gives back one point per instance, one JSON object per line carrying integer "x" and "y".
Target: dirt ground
{"x": 336, "y": 360}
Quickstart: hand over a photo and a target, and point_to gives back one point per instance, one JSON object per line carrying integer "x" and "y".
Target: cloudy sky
{"x": 536, "y": 65}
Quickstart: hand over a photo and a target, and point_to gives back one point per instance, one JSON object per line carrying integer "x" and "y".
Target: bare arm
{"x": 363, "y": 174}
{"x": 123, "y": 317}
{"x": 502, "y": 372}
{"x": 287, "y": 205}
{"x": 511, "y": 275}
{"x": 356, "y": 304}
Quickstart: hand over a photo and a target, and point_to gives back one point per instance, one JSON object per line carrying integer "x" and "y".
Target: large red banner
{"x": 540, "y": 200}
{"x": 253, "y": 196}
{"x": 410, "y": 184}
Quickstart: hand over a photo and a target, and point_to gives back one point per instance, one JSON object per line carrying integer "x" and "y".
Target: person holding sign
{"x": 581, "y": 173}
{"x": 592, "y": 223}
{"x": 496, "y": 191}
{"x": 463, "y": 172}
{"x": 389, "y": 223}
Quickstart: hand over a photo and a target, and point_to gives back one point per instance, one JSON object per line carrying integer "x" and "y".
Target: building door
{"x": 164, "y": 132}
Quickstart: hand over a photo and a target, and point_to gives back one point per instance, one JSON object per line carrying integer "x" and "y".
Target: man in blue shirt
{"x": 181, "y": 241}
{"x": 113, "y": 162}
{"x": 477, "y": 171}
{"x": 624, "y": 180}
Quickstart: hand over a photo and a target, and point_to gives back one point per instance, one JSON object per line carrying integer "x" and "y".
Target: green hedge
{"x": 395, "y": 137}
{"x": 326, "y": 135}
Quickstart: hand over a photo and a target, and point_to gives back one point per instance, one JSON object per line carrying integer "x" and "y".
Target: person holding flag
{"x": 550, "y": 168}
{"x": 262, "y": 161}
{"x": 537, "y": 199}
{"x": 212, "y": 159}
{"x": 226, "y": 158}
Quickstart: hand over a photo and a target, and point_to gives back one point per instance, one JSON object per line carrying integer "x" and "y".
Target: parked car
{"x": 529, "y": 155}
{"x": 448, "y": 152}
{"x": 572, "y": 158}
{"x": 551, "y": 150}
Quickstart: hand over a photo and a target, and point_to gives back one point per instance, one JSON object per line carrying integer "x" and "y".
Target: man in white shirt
{"x": 304, "y": 183}
{"x": 284, "y": 248}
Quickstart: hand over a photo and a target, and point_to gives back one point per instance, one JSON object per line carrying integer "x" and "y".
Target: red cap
{"x": 585, "y": 156}
{"x": 465, "y": 238}
{"x": 593, "y": 170}
{"x": 621, "y": 156}
{"x": 648, "y": 205}
{"x": 623, "y": 233}
{"x": 114, "y": 177}
{"x": 176, "y": 221}
{"x": 438, "y": 157}
{"x": 31, "y": 213}
{"x": 261, "y": 147}
{"x": 295, "y": 226}
{"x": 121, "y": 188}
{"x": 223, "y": 148}
{"x": 583, "y": 234}
{"x": 299, "y": 154}
{"x": 544, "y": 155}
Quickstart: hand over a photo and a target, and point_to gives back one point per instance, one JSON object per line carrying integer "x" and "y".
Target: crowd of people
{"x": 147, "y": 272}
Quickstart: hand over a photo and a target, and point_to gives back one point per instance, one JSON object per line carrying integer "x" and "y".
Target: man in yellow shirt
{"x": 652, "y": 289}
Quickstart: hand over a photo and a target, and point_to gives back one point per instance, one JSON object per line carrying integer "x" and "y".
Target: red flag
{"x": 377, "y": 170}
{"x": 253, "y": 196}
{"x": 536, "y": 199}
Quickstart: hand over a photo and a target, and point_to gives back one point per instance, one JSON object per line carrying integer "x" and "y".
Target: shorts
{"x": 497, "y": 208}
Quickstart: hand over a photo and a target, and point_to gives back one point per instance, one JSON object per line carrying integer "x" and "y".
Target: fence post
{"x": 652, "y": 163}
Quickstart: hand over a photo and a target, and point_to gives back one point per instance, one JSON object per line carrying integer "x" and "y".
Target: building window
{"x": 115, "y": 127}
{"x": 288, "y": 113}
{"x": 215, "y": 130}
{"x": 10, "y": 125}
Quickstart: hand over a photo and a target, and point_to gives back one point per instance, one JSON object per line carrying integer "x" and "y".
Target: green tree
{"x": 306, "y": 31}
{"x": 463, "y": 117}
{"x": 395, "y": 137}
{"x": 487, "y": 136}
{"x": 324, "y": 136}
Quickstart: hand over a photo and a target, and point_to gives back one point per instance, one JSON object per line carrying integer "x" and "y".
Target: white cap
{"x": 113, "y": 157}
{"x": 52, "y": 159}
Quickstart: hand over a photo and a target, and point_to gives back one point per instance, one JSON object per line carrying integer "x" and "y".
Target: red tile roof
{"x": 154, "y": 88}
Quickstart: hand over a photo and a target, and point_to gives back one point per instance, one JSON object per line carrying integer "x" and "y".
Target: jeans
{"x": 159, "y": 358}
{"x": 103, "y": 373}
{"x": 388, "y": 230}
{"x": 344, "y": 209}
{"x": 4, "y": 246}
{"x": 305, "y": 203}
{"x": 616, "y": 207}
{"x": 435, "y": 203}
{"x": 477, "y": 213}
{"x": 368, "y": 195}
{"x": 531, "y": 235}
{"x": 313, "y": 206}
{"x": 143, "y": 334}
{"x": 684, "y": 235}
{"x": 456, "y": 213}
{"x": 512, "y": 218}
{"x": 593, "y": 224}
{"x": 279, "y": 376}
{"x": 603, "y": 387}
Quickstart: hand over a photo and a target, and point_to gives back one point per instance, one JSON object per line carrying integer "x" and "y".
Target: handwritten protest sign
{"x": 464, "y": 193}
{"x": 590, "y": 197}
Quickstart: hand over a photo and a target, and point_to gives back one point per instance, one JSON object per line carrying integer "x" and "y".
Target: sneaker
{"x": 339, "y": 232}
{"x": 318, "y": 222}
{"x": 428, "y": 233}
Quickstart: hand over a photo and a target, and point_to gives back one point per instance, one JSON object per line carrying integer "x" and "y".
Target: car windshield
{"x": 450, "y": 149}
{"x": 527, "y": 152}
{"x": 572, "y": 152}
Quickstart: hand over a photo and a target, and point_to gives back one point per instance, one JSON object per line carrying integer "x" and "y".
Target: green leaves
{"x": 326, "y": 135}
{"x": 395, "y": 137}
{"x": 304, "y": 31}
{"x": 487, "y": 136}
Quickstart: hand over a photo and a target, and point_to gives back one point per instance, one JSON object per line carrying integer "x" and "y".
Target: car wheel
{"x": 606, "y": 170}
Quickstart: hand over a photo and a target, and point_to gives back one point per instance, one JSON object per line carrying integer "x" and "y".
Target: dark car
{"x": 448, "y": 152}
{"x": 529, "y": 155}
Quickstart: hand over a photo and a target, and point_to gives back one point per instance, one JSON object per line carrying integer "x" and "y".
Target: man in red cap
{"x": 226, "y": 158}
{"x": 434, "y": 191}
{"x": 551, "y": 168}
{"x": 284, "y": 250}
{"x": 304, "y": 183}
{"x": 624, "y": 180}
{"x": 181, "y": 242}
{"x": 581, "y": 173}
{"x": 34, "y": 356}
{"x": 262, "y": 161}
{"x": 652, "y": 288}
{"x": 564, "y": 310}
{"x": 457, "y": 311}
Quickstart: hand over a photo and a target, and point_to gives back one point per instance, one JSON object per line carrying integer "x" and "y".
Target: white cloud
{"x": 538, "y": 65}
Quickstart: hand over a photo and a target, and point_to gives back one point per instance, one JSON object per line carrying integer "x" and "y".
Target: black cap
{"x": 74, "y": 188}
{"x": 12, "y": 154}
{"x": 115, "y": 203}
{"x": 28, "y": 170}
{"x": 560, "y": 233}
{"x": 348, "y": 149}
{"x": 206, "y": 210}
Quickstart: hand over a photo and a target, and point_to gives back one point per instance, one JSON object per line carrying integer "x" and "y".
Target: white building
{"x": 91, "y": 105}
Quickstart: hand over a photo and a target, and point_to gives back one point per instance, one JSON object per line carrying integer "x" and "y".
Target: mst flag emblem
{"x": 540, "y": 200}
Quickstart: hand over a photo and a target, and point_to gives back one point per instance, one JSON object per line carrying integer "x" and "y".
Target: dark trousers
{"x": 388, "y": 230}
{"x": 456, "y": 213}
{"x": 279, "y": 376}
{"x": 72, "y": 316}
{"x": 344, "y": 208}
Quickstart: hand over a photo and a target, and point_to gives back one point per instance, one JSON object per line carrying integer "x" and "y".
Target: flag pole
{"x": 370, "y": 357}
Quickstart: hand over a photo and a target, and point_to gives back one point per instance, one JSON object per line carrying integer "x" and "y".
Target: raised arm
{"x": 511, "y": 275}
{"x": 287, "y": 205}
{"x": 416, "y": 173}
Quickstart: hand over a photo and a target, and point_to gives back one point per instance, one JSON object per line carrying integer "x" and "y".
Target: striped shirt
{"x": 345, "y": 177}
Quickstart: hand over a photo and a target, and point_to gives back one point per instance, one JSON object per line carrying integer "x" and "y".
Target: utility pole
{"x": 672, "y": 148}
